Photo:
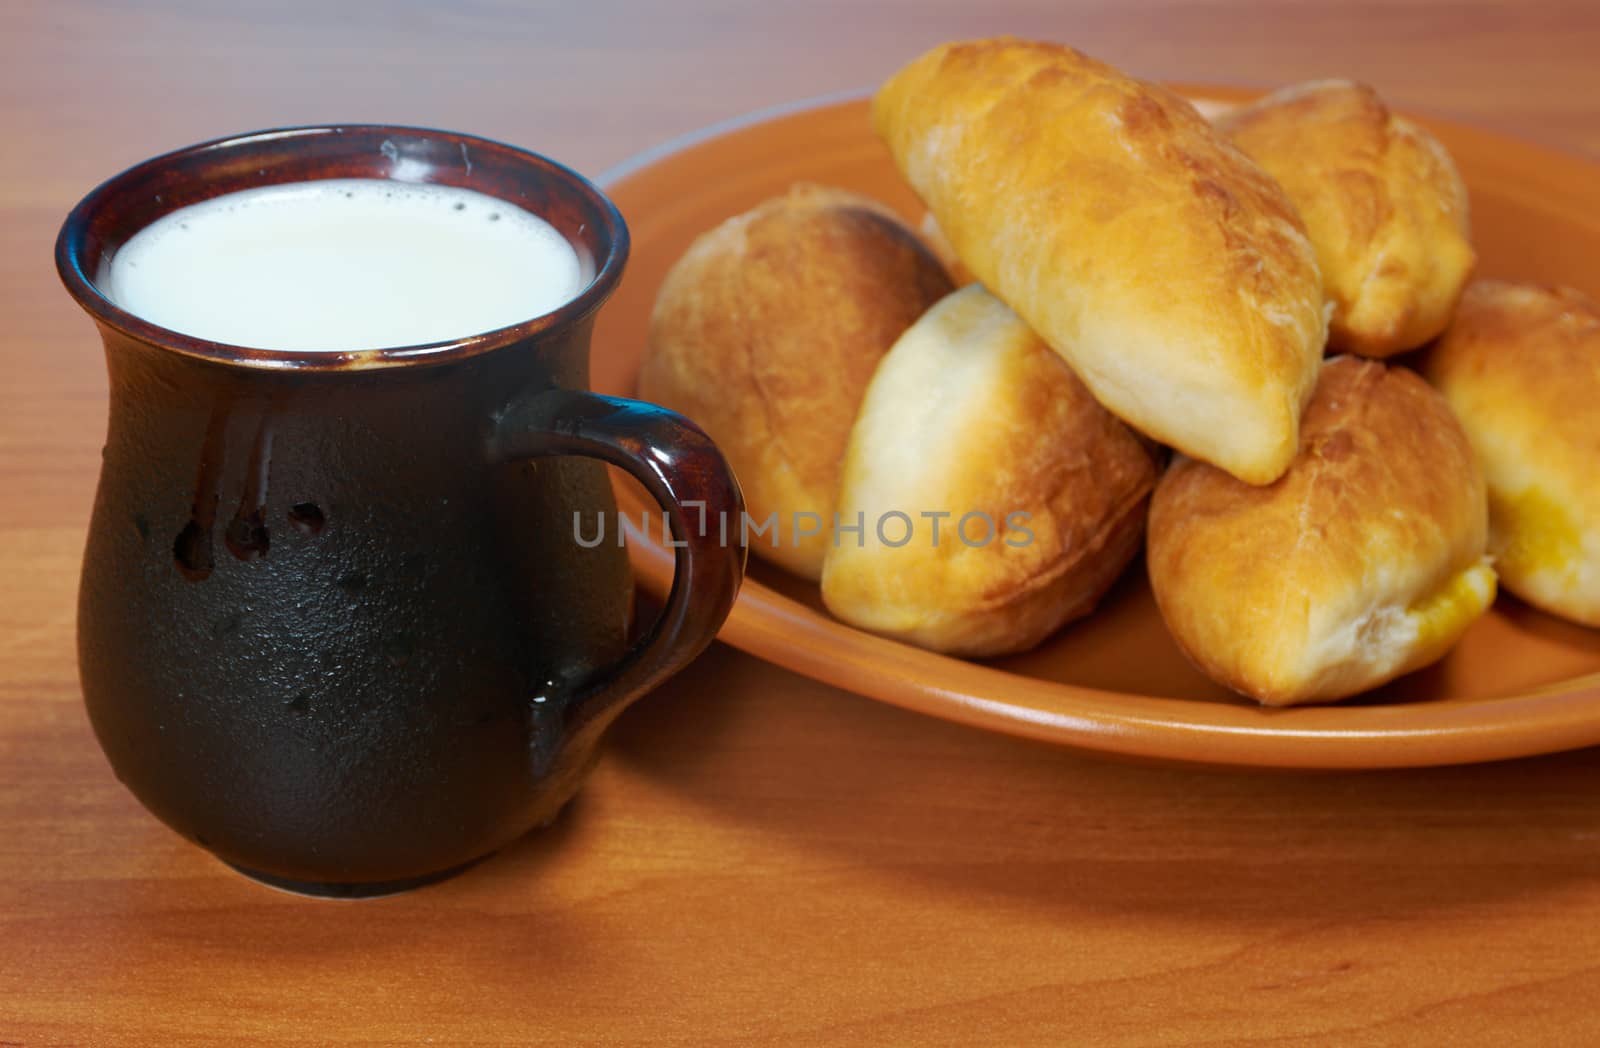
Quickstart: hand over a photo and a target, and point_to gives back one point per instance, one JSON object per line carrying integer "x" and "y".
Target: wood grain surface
{"x": 758, "y": 859}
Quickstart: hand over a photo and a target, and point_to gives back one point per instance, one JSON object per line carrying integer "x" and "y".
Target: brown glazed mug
{"x": 334, "y": 625}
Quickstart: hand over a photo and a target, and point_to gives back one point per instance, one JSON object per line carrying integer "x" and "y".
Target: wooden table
{"x": 759, "y": 859}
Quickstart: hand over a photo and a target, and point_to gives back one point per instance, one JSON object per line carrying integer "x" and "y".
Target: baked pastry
{"x": 1521, "y": 367}
{"x": 1365, "y": 561}
{"x": 1382, "y": 201}
{"x": 766, "y": 333}
{"x": 939, "y": 244}
{"x": 1042, "y": 491}
{"x": 1163, "y": 264}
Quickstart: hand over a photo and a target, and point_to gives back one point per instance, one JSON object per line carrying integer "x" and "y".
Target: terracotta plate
{"x": 1520, "y": 683}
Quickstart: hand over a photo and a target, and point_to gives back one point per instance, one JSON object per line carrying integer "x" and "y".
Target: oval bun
{"x": 1382, "y": 201}
{"x": 971, "y": 415}
{"x": 1163, "y": 264}
{"x": 1521, "y": 367}
{"x": 1363, "y": 562}
{"x": 766, "y": 333}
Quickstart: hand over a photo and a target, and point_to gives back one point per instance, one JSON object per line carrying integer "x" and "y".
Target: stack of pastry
{"x": 1146, "y": 278}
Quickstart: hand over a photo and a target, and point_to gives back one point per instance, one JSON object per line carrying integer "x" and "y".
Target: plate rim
{"x": 1563, "y": 715}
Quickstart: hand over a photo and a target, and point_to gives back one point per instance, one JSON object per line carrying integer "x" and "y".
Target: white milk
{"x": 343, "y": 264}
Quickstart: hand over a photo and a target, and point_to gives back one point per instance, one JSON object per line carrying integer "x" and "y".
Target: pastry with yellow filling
{"x": 1366, "y": 560}
{"x": 766, "y": 333}
{"x": 1170, "y": 271}
{"x": 1520, "y": 365}
{"x": 987, "y": 498}
{"x": 1382, "y": 201}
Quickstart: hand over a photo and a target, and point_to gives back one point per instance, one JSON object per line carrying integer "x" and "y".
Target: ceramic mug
{"x": 333, "y": 623}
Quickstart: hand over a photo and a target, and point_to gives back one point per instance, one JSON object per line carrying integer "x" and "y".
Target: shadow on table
{"x": 950, "y": 808}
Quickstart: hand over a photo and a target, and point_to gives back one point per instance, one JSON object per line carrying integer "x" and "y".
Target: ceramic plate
{"x": 1519, "y": 683}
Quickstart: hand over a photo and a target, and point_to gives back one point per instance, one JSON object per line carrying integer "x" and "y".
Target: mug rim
{"x": 72, "y": 244}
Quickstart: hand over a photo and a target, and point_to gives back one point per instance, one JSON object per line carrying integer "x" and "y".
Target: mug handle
{"x": 678, "y": 464}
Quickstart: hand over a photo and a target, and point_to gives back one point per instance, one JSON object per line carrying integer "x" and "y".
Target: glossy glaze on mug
{"x": 333, "y": 622}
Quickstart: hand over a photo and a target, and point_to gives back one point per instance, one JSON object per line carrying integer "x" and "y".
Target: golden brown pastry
{"x": 939, "y": 244}
{"x": 766, "y": 333}
{"x": 1042, "y": 490}
{"x": 1383, "y": 203}
{"x": 1521, "y": 367}
{"x": 1170, "y": 271}
{"x": 1365, "y": 561}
